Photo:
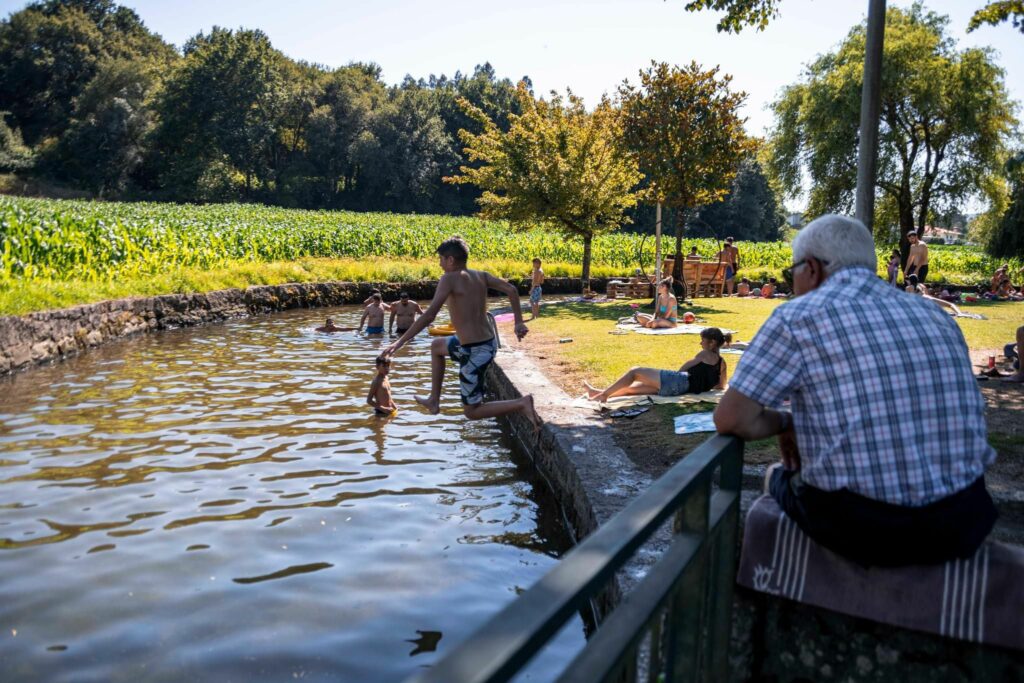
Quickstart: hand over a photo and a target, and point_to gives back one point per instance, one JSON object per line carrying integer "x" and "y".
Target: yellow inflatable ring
{"x": 441, "y": 330}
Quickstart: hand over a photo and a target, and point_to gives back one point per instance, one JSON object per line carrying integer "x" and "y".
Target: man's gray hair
{"x": 840, "y": 240}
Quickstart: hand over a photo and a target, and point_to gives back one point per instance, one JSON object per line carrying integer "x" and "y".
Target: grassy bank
{"x": 602, "y": 357}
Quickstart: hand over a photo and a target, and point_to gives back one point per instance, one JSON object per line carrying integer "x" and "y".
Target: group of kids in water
{"x": 474, "y": 344}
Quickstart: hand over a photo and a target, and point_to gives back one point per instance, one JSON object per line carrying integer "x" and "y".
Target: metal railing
{"x": 674, "y": 624}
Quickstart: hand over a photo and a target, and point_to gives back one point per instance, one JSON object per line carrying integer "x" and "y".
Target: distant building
{"x": 795, "y": 220}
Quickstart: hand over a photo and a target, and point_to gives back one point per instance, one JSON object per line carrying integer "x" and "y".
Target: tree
{"x": 749, "y": 212}
{"x": 400, "y": 157}
{"x": 344, "y": 109}
{"x": 557, "y": 167}
{"x": 684, "y": 127}
{"x": 106, "y": 141}
{"x": 14, "y": 155}
{"x": 739, "y": 13}
{"x": 945, "y": 120}
{"x": 223, "y": 103}
{"x": 1007, "y": 240}
{"x": 51, "y": 50}
{"x": 997, "y": 12}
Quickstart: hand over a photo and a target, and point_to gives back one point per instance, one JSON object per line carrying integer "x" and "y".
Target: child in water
{"x": 380, "y": 390}
{"x": 373, "y": 315}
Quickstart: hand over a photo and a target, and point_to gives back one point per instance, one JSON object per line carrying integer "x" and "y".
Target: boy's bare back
{"x": 467, "y": 304}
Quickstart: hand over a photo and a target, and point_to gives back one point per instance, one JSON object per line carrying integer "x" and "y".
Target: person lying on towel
{"x": 704, "y": 372}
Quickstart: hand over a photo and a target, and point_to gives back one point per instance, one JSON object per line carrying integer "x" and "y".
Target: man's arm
{"x": 444, "y": 288}
{"x": 744, "y": 417}
{"x": 513, "y": 298}
{"x": 391, "y": 320}
{"x": 362, "y": 320}
{"x": 371, "y": 398}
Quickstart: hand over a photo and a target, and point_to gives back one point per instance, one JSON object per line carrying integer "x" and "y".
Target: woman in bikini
{"x": 704, "y": 372}
{"x": 668, "y": 308}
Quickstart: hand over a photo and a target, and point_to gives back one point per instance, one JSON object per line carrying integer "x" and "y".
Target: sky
{"x": 588, "y": 46}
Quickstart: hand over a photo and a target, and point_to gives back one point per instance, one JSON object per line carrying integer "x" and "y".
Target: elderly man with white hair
{"x": 865, "y": 470}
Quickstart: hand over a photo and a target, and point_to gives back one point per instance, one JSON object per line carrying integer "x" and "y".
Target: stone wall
{"x": 52, "y": 335}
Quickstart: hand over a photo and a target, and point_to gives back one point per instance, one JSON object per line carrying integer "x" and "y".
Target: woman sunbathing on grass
{"x": 668, "y": 308}
{"x": 704, "y": 372}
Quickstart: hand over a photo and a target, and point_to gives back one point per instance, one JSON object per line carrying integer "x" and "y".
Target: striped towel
{"x": 979, "y": 599}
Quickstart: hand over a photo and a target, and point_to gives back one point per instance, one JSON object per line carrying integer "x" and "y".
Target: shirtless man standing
{"x": 730, "y": 258}
{"x": 373, "y": 315}
{"x": 917, "y": 261}
{"x": 474, "y": 345}
{"x": 405, "y": 311}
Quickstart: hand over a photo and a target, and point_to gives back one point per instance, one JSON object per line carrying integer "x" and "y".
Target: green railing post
{"x": 686, "y": 610}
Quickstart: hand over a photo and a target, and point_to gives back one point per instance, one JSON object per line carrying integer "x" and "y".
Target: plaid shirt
{"x": 885, "y": 403}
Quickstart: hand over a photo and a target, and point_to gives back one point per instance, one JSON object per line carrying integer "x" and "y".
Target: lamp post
{"x": 870, "y": 102}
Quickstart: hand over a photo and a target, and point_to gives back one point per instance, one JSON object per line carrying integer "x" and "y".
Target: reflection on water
{"x": 219, "y": 503}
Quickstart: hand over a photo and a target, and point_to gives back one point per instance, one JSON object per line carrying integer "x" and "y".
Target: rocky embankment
{"x": 52, "y": 335}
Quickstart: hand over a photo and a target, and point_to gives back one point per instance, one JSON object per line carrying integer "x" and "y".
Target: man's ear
{"x": 817, "y": 269}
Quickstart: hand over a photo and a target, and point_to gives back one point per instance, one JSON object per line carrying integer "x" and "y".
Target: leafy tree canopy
{"x": 558, "y": 167}
{"x": 945, "y": 120}
{"x": 739, "y": 13}
{"x": 51, "y": 50}
{"x": 997, "y": 12}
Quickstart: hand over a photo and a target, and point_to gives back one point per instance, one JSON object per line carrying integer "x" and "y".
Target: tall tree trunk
{"x": 677, "y": 265}
{"x": 587, "y": 240}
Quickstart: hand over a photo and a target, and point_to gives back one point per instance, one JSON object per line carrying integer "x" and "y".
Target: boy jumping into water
{"x": 474, "y": 345}
{"x": 380, "y": 390}
{"x": 373, "y": 315}
{"x": 536, "y": 287}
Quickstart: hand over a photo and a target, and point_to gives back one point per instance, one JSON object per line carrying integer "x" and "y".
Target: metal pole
{"x": 870, "y": 102}
{"x": 657, "y": 246}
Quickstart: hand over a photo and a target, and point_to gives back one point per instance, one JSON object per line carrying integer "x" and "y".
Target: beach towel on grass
{"x": 694, "y": 423}
{"x": 712, "y": 396}
{"x": 678, "y": 329}
{"x": 980, "y": 599}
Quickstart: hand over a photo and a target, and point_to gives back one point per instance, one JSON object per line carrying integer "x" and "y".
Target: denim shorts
{"x": 673, "y": 383}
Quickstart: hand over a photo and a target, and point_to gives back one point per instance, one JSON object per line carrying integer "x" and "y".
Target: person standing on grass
{"x": 917, "y": 261}
{"x": 474, "y": 345}
{"x": 536, "y": 287}
{"x": 405, "y": 312}
{"x": 729, "y": 257}
{"x": 865, "y": 472}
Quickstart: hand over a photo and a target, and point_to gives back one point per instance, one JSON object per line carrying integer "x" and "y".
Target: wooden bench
{"x": 704, "y": 278}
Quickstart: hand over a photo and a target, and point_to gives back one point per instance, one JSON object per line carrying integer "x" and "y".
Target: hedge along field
{"x": 49, "y": 242}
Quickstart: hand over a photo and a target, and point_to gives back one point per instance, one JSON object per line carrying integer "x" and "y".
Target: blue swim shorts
{"x": 673, "y": 383}
{"x": 535, "y": 295}
{"x": 729, "y": 273}
{"x": 374, "y": 330}
{"x": 473, "y": 360}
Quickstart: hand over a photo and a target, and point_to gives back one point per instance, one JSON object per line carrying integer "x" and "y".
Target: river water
{"x": 219, "y": 504}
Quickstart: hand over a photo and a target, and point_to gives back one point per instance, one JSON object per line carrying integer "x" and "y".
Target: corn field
{"x": 43, "y": 239}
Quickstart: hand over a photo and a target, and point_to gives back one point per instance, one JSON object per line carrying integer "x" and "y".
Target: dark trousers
{"x": 873, "y": 533}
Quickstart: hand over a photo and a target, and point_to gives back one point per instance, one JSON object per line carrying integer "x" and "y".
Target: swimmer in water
{"x": 373, "y": 316}
{"x": 329, "y": 326}
{"x": 380, "y": 390}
